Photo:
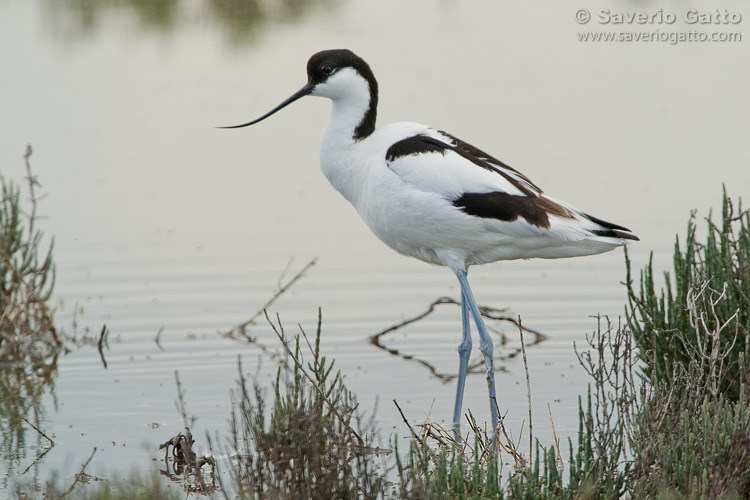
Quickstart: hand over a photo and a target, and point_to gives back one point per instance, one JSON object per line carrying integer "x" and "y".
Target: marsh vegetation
{"x": 665, "y": 414}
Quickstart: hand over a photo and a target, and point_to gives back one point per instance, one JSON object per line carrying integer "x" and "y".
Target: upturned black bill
{"x": 297, "y": 95}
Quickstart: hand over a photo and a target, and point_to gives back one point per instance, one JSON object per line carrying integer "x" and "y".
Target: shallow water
{"x": 162, "y": 222}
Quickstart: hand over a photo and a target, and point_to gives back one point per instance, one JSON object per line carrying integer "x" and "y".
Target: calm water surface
{"x": 162, "y": 222}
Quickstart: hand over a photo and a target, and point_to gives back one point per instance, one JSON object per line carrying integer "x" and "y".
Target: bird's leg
{"x": 485, "y": 346}
{"x": 464, "y": 352}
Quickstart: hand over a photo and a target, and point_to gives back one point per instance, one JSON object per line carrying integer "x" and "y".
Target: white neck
{"x": 350, "y": 95}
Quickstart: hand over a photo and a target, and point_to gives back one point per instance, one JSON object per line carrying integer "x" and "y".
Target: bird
{"x": 429, "y": 195}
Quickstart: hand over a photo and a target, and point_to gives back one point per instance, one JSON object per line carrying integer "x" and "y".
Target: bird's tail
{"x": 610, "y": 230}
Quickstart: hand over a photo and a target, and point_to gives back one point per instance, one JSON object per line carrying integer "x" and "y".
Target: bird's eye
{"x": 327, "y": 69}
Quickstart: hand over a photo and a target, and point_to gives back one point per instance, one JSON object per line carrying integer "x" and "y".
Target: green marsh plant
{"x": 27, "y": 275}
{"x": 29, "y": 343}
{"x": 692, "y": 436}
{"x": 700, "y": 322}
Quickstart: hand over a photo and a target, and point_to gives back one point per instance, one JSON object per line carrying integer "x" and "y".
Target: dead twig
{"x": 437, "y": 432}
{"x": 158, "y": 337}
{"x": 528, "y": 388}
{"x": 80, "y": 476}
{"x": 100, "y": 344}
{"x": 411, "y": 429}
{"x": 560, "y": 463}
{"x": 49, "y": 448}
{"x": 180, "y": 403}
{"x": 509, "y": 446}
{"x": 51, "y": 442}
{"x": 240, "y": 330}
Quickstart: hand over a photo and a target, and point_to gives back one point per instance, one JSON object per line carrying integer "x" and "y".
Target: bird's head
{"x": 337, "y": 74}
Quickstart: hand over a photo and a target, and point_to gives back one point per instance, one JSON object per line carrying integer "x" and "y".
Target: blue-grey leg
{"x": 464, "y": 352}
{"x": 485, "y": 345}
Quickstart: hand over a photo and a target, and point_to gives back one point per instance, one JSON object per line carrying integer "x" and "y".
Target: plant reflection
{"x": 21, "y": 390}
{"x": 493, "y": 315}
{"x": 241, "y": 19}
{"x": 29, "y": 342}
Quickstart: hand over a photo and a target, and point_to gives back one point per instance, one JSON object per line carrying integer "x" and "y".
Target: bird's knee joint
{"x": 464, "y": 347}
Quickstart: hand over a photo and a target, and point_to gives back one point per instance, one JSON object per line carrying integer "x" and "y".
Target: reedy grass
{"x": 704, "y": 310}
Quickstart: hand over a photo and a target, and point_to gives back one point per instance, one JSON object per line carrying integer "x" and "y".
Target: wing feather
{"x": 436, "y": 162}
{"x": 482, "y": 186}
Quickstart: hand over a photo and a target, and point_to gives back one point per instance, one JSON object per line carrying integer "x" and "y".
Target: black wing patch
{"x": 415, "y": 145}
{"x": 509, "y": 207}
{"x": 419, "y": 144}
